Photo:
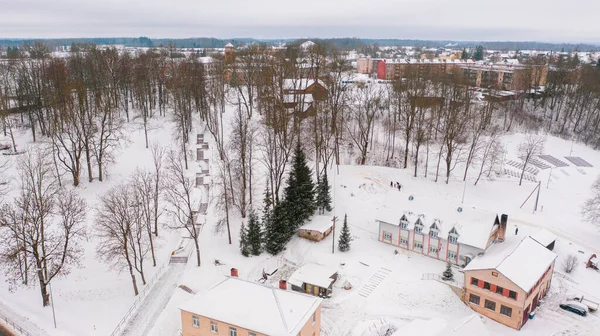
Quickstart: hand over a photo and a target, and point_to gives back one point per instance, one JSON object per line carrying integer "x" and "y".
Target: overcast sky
{"x": 541, "y": 20}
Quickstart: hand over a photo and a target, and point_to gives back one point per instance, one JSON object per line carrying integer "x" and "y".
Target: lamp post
{"x": 51, "y": 299}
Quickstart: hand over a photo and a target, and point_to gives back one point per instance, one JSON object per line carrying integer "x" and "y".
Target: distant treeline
{"x": 339, "y": 43}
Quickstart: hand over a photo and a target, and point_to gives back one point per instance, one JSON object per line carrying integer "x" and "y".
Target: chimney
{"x": 502, "y": 228}
{"x": 282, "y": 284}
{"x": 234, "y": 272}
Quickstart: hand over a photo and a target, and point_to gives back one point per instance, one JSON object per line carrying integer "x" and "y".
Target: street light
{"x": 51, "y": 299}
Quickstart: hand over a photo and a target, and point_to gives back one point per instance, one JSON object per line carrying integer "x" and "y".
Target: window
{"x": 491, "y": 305}
{"x": 433, "y": 234}
{"x": 419, "y": 245}
{"x": 214, "y": 328}
{"x": 474, "y": 299}
{"x": 451, "y": 255}
{"x": 512, "y": 295}
{"x": 199, "y": 154}
{"x": 196, "y": 321}
{"x": 232, "y": 331}
{"x": 474, "y": 281}
{"x": 495, "y": 274}
{"x": 387, "y": 236}
{"x": 199, "y": 138}
{"x": 504, "y": 310}
{"x": 453, "y": 239}
{"x": 418, "y": 229}
{"x": 199, "y": 179}
{"x": 433, "y": 249}
{"x": 250, "y": 333}
{"x": 404, "y": 224}
{"x": 314, "y": 318}
{"x": 403, "y": 241}
{"x": 499, "y": 290}
{"x": 486, "y": 285}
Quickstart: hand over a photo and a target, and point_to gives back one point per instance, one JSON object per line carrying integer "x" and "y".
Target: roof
{"x": 312, "y": 274}
{"x": 544, "y": 237}
{"x": 523, "y": 265}
{"x": 256, "y": 307}
{"x": 300, "y": 84}
{"x": 471, "y": 325}
{"x": 297, "y": 98}
{"x": 229, "y": 45}
{"x": 319, "y": 224}
{"x": 474, "y": 226}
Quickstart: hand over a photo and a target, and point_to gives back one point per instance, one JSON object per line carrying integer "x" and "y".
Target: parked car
{"x": 575, "y": 307}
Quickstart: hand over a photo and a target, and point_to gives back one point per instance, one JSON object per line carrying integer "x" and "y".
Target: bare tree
{"x": 492, "y": 150}
{"x": 570, "y": 263}
{"x": 158, "y": 158}
{"x": 114, "y": 224}
{"x": 530, "y": 146}
{"x": 143, "y": 189}
{"x": 43, "y": 226}
{"x": 182, "y": 200}
{"x": 591, "y": 207}
{"x": 368, "y": 101}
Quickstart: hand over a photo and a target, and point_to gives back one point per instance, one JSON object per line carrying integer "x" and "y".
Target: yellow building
{"x": 506, "y": 284}
{"x": 236, "y": 307}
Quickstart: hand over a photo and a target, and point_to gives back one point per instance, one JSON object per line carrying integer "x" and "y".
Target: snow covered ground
{"x": 388, "y": 291}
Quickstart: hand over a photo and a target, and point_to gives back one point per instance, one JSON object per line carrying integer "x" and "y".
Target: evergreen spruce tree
{"x": 253, "y": 235}
{"x": 448, "y": 274}
{"x": 478, "y": 54}
{"x": 323, "y": 195}
{"x": 267, "y": 212}
{"x": 277, "y": 232}
{"x": 465, "y": 54}
{"x": 244, "y": 241}
{"x": 299, "y": 193}
{"x": 598, "y": 64}
{"x": 344, "y": 242}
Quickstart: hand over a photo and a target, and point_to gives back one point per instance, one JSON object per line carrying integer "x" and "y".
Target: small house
{"x": 545, "y": 238}
{"x": 313, "y": 279}
{"x": 317, "y": 229}
{"x": 238, "y": 307}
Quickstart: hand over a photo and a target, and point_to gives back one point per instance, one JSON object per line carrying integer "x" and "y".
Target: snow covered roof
{"x": 544, "y": 237}
{"x": 307, "y": 44}
{"x": 523, "y": 265}
{"x": 471, "y": 325}
{"x": 474, "y": 226}
{"x": 319, "y": 224}
{"x": 296, "y": 98}
{"x": 256, "y": 307}
{"x": 300, "y": 84}
{"x": 312, "y": 274}
{"x": 229, "y": 45}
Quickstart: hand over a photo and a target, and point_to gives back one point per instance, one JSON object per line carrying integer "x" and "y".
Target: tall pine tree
{"x": 465, "y": 54}
{"x": 254, "y": 234}
{"x": 244, "y": 241}
{"x": 344, "y": 242}
{"x": 323, "y": 195}
{"x": 277, "y": 232}
{"x": 299, "y": 193}
{"x": 478, "y": 54}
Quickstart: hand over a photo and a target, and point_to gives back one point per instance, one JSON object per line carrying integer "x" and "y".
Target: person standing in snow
{"x": 516, "y": 231}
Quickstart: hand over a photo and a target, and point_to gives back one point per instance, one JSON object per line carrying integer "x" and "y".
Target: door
{"x": 316, "y": 290}
{"x": 525, "y": 316}
{"x": 308, "y": 288}
{"x": 535, "y": 302}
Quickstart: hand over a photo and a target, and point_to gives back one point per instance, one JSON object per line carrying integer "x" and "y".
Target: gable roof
{"x": 256, "y": 307}
{"x": 543, "y": 237}
{"x": 312, "y": 274}
{"x": 319, "y": 224}
{"x": 474, "y": 226}
{"x": 523, "y": 265}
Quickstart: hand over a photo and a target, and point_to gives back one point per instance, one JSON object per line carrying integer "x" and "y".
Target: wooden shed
{"x": 318, "y": 228}
{"x": 313, "y": 279}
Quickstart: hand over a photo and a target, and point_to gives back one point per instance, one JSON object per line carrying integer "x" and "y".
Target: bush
{"x": 570, "y": 263}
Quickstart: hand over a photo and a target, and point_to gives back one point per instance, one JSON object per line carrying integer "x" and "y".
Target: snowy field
{"x": 94, "y": 298}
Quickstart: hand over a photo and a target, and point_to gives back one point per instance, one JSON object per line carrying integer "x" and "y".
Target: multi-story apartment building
{"x": 507, "y": 283}
{"x": 496, "y": 76}
{"x": 455, "y": 236}
{"x": 236, "y": 307}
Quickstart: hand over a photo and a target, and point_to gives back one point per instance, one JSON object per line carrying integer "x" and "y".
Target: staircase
{"x": 187, "y": 289}
{"x": 178, "y": 259}
{"x": 374, "y": 282}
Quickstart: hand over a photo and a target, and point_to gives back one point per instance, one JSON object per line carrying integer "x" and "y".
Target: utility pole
{"x": 333, "y": 234}
{"x": 537, "y": 198}
{"x": 549, "y": 176}
{"x": 464, "y": 191}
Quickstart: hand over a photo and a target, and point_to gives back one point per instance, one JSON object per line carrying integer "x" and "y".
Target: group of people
{"x": 395, "y": 185}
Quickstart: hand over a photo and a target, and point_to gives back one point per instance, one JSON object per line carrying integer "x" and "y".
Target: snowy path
{"x": 21, "y": 322}
{"x": 143, "y": 320}
{"x": 374, "y": 282}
